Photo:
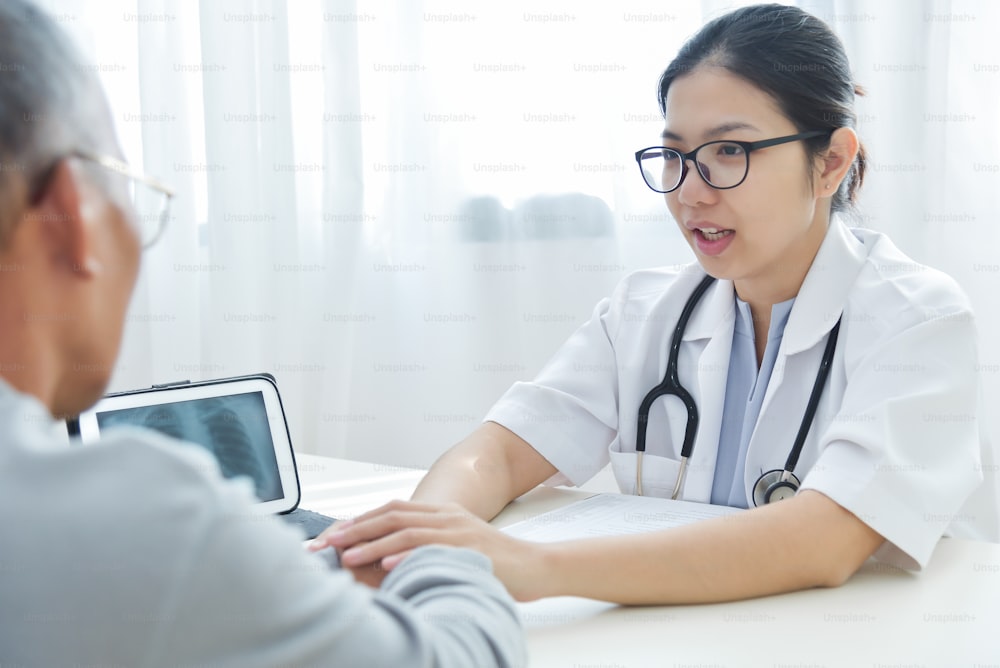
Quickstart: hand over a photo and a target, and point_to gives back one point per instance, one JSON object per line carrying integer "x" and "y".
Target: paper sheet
{"x": 613, "y": 515}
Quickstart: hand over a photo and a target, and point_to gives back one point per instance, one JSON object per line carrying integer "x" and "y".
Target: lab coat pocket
{"x": 659, "y": 474}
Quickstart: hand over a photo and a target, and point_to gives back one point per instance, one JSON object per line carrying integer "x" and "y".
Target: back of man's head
{"x": 69, "y": 250}
{"x": 50, "y": 104}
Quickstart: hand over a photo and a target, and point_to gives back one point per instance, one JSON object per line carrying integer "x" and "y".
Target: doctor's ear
{"x": 834, "y": 164}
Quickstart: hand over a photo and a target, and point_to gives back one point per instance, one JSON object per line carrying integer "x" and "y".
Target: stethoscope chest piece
{"x": 775, "y": 485}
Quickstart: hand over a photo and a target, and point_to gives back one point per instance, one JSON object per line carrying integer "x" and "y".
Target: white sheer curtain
{"x": 399, "y": 208}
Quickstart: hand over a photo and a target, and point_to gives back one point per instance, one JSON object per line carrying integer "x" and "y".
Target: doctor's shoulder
{"x": 893, "y": 292}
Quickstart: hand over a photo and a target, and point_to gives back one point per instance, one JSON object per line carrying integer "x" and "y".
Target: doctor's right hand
{"x": 371, "y": 574}
{"x": 386, "y": 535}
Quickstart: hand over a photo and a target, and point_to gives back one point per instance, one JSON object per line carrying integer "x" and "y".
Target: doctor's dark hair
{"x": 796, "y": 59}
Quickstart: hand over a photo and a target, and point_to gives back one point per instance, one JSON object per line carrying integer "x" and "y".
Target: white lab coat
{"x": 896, "y": 439}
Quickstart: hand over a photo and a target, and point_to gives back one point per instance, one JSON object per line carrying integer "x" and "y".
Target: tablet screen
{"x": 234, "y": 428}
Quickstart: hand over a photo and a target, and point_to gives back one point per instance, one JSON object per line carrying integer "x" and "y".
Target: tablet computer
{"x": 239, "y": 420}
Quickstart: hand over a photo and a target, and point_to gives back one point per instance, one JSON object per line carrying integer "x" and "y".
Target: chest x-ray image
{"x": 233, "y": 428}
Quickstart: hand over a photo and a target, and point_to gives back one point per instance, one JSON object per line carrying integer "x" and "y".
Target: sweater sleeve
{"x": 248, "y": 594}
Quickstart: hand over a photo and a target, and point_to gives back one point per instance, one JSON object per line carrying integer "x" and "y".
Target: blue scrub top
{"x": 745, "y": 390}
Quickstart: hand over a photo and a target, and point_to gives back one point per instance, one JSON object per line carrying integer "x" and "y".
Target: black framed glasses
{"x": 723, "y": 164}
{"x": 150, "y": 197}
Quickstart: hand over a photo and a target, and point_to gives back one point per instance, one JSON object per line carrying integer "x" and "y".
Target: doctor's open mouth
{"x": 710, "y": 239}
{"x": 714, "y": 235}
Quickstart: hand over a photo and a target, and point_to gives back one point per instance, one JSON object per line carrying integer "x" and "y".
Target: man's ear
{"x": 63, "y": 219}
{"x": 835, "y": 163}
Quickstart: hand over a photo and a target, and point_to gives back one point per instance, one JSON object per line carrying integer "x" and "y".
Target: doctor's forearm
{"x": 484, "y": 472}
{"x": 804, "y": 542}
{"x": 455, "y": 477}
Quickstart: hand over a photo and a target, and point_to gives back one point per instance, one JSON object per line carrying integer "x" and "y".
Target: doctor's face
{"x": 765, "y": 231}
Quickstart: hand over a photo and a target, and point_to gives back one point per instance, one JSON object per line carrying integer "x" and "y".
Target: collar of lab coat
{"x": 819, "y": 303}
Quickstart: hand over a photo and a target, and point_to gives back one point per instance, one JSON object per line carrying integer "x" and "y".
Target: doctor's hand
{"x": 385, "y": 536}
{"x": 367, "y": 574}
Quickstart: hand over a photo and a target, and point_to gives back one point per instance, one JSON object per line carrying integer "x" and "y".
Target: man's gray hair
{"x": 50, "y": 103}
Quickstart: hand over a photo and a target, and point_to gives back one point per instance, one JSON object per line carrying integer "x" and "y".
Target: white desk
{"x": 949, "y": 615}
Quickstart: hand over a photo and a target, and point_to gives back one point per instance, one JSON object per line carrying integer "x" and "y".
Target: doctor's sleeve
{"x": 903, "y": 452}
{"x": 569, "y": 412}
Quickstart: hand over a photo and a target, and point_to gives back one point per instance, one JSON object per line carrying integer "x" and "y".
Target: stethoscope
{"x": 776, "y": 484}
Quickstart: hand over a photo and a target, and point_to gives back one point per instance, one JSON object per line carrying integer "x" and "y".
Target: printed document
{"x": 613, "y": 515}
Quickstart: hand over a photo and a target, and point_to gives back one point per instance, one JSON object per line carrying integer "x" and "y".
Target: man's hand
{"x": 369, "y": 574}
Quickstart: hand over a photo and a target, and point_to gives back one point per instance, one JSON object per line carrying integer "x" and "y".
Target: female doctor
{"x": 820, "y": 377}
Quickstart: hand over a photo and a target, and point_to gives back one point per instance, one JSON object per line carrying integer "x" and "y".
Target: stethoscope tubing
{"x": 670, "y": 385}
{"x": 814, "y": 397}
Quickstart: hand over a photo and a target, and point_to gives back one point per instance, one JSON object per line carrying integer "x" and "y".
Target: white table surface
{"x": 948, "y": 615}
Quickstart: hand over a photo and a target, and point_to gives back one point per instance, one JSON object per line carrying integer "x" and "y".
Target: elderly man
{"x": 136, "y": 551}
